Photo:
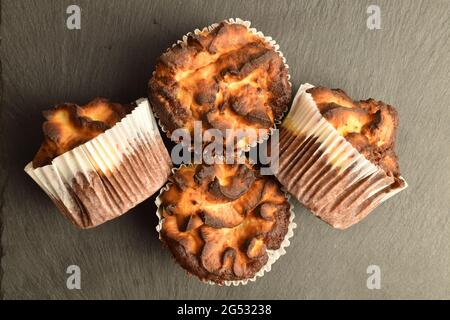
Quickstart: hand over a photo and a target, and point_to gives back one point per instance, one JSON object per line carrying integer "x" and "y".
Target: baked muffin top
{"x": 369, "y": 125}
{"x": 219, "y": 220}
{"x": 227, "y": 78}
{"x": 69, "y": 125}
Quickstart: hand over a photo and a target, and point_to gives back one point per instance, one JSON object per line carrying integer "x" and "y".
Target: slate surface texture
{"x": 406, "y": 63}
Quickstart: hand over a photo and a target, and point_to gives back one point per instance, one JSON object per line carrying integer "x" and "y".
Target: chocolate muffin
{"x": 99, "y": 160}
{"x": 223, "y": 222}
{"x": 337, "y": 156}
{"x": 227, "y": 76}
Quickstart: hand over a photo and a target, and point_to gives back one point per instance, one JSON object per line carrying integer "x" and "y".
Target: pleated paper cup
{"x": 110, "y": 174}
{"x": 268, "y": 40}
{"x": 273, "y": 255}
{"x": 324, "y": 171}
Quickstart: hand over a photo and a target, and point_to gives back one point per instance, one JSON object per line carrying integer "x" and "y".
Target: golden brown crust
{"x": 219, "y": 236}
{"x": 369, "y": 125}
{"x": 227, "y": 78}
{"x": 69, "y": 125}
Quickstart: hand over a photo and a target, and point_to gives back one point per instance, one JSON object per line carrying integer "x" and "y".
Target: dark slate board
{"x": 406, "y": 63}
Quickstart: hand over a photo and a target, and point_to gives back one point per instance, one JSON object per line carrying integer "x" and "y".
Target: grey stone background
{"x": 406, "y": 63}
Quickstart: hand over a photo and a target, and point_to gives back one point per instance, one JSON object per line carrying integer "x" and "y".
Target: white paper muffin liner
{"x": 108, "y": 175}
{"x": 273, "y": 255}
{"x": 268, "y": 40}
{"x": 324, "y": 171}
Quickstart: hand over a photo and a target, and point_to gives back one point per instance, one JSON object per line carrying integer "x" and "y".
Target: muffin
{"x": 99, "y": 160}
{"x": 227, "y": 76}
{"x": 337, "y": 156}
{"x": 225, "y": 224}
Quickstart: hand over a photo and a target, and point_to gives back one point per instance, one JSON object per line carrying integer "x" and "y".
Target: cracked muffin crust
{"x": 69, "y": 125}
{"x": 227, "y": 78}
{"x": 219, "y": 221}
{"x": 369, "y": 125}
